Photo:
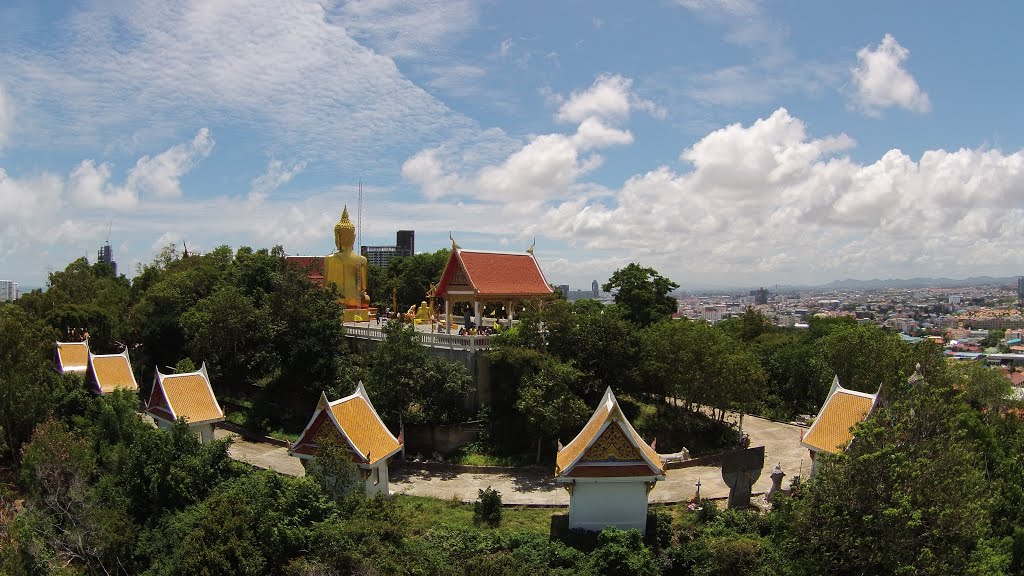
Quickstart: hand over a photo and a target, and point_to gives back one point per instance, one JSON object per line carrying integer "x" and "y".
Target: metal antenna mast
{"x": 359, "y": 218}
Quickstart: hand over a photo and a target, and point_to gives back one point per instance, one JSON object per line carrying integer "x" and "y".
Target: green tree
{"x": 405, "y": 381}
{"x": 746, "y": 327}
{"x": 600, "y": 341}
{"x": 909, "y": 496}
{"x": 700, "y": 365}
{"x": 233, "y": 335}
{"x": 251, "y": 525}
{"x": 643, "y": 293}
{"x": 410, "y": 276}
{"x": 548, "y": 402}
{"x": 26, "y": 377}
{"x": 863, "y": 357}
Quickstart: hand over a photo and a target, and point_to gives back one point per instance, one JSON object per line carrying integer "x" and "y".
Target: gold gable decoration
{"x": 612, "y": 445}
{"x": 459, "y": 277}
{"x": 328, "y": 435}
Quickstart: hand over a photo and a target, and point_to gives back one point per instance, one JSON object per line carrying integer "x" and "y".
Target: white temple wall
{"x": 377, "y": 481}
{"x": 204, "y": 431}
{"x": 594, "y": 506}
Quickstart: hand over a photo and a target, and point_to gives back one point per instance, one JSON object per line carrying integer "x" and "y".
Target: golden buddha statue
{"x": 347, "y": 271}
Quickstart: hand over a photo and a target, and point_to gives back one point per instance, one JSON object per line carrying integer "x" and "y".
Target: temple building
{"x": 609, "y": 471}
{"x": 831, "y": 430}
{"x": 109, "y": 372}
{"x": 479, "y": 276}
{"x": 187, "y": 395}
{"x": 352, "y": 423}
{"x": 72, "y": 357}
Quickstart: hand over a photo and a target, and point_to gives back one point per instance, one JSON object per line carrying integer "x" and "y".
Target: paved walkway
{"x": 261, "y": 454}
{"x": 781, "y": 442}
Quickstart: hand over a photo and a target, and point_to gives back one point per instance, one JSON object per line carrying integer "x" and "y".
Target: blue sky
{"x": 725, "y": 143}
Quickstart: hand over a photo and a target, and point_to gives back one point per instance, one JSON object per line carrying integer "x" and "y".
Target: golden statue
{"x": 347, "y": 271}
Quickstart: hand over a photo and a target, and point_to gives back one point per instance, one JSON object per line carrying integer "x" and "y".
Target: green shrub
{"x": 487, "y": 508}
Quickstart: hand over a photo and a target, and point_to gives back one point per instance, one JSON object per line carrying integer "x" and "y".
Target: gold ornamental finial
{"x": 532, "y": 246}
{"x": 455, "y": 246}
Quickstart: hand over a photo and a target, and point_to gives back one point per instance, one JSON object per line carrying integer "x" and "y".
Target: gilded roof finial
{"x": 455, "y": 245}
{"x": 532, "y": 246}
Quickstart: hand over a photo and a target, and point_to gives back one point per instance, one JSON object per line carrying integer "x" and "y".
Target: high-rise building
{"x": 564, "y": 288}
{"x": 406, "y": 240}
{"x": 1020, "y": 287}
{"x": 106, "y": 255}
{"x": 593, "y": 288}
{"x": 760, "y": 295}
{"x": 405, "y": 245}
{"x": 9, "y": 291}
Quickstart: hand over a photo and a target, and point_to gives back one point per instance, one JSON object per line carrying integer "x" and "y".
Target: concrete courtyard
{"x": 530, "y": 487}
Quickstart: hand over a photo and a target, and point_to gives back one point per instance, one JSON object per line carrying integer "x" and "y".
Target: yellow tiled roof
{"x": 589, "y": 433}
{"x": 113, "y": 372}
{"x": 364, "y": 428}
{"x": 608, "y": 409}
{"x": 74, "y": 356}
{"x": 831, "y": 430}
{"x": 191, "y": 398}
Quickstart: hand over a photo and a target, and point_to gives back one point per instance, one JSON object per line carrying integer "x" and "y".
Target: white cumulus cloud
{"x": 764, "y": 202}
{"x": 611, "y": 98}
{"x": 152, "y": 176}
{"x": 278, "y": 174}
{"x": 882, "y": 82}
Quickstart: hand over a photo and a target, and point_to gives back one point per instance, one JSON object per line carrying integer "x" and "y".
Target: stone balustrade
{"x": 450, "y": 341}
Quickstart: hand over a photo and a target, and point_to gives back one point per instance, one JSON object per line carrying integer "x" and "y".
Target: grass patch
{"x": 422, "y": 514}
{"x": 468, "y": 457}
{"x": 282, "y": 435}
{"x": 237, "y": 417}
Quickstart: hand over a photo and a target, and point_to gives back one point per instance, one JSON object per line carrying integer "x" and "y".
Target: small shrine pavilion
{"x": 831, "y": 430}
{"x": 352, "y": 423}
{"x": 187, "y": 395}
{"x": 72, "y": 357}
{"x": 480, "y": 276}
{"x": 109, "y": 372}
{"x": 609, "y": 471}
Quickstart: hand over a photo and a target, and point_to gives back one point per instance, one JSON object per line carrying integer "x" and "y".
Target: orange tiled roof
{"x": 843, "y": 409}
{"x": 495, "y": 273}
{"x": 585, "y": 445}
{"x": 73, "y": 356}
{"x": 313, "y": 266}
{"x": 357, "y": 421}
{"x": 189, "y": 395}
{"x": 112, "y": 371}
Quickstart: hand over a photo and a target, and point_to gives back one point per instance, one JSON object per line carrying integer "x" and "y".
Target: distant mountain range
{"x": 875, "y": 284}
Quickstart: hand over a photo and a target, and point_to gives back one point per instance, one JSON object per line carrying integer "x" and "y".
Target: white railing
{"x": 451, "y": 341}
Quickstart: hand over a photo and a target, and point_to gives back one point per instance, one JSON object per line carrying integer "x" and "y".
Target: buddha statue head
{"x": 344, "y": 232}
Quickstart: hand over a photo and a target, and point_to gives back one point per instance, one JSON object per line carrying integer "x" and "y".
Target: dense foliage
{"x": 932, "y": 484}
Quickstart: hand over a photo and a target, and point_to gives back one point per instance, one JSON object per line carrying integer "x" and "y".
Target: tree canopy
{"x": 643, "y": 293}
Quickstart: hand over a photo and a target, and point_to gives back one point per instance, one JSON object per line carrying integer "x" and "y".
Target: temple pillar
{"x": 447, "y": 316}
{"x": 476, "y": 313}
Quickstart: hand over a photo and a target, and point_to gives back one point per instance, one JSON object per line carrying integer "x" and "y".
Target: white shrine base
{"x": 595, "y": 506}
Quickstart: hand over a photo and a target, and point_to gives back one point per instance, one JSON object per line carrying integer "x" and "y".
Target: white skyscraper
{"x": 8, "y": 291}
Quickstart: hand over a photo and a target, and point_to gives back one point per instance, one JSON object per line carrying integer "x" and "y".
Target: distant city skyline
{"x": 740, "y": 144}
